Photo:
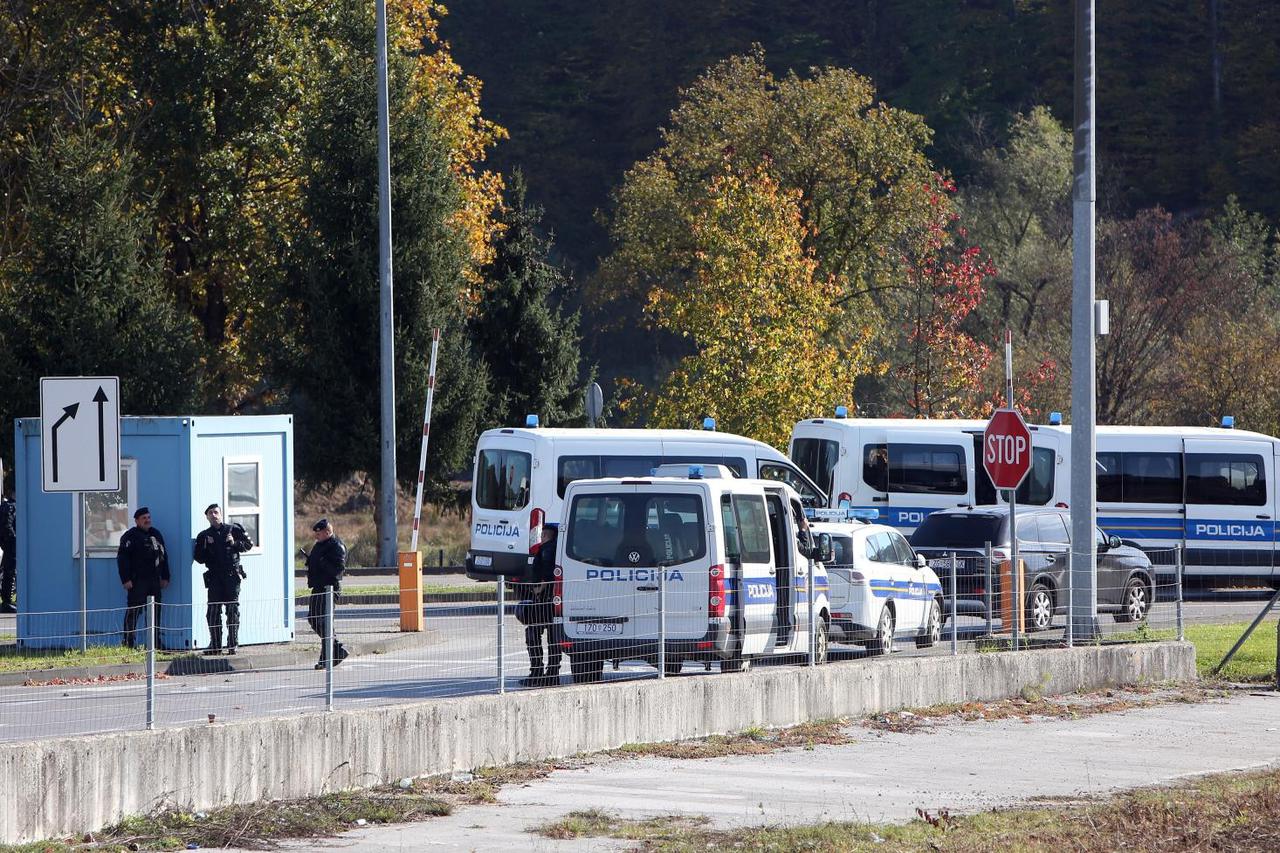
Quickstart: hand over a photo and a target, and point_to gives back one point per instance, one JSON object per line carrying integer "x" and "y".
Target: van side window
{"x": 1108, "y": 478}
{"x": 570, "y": 468}
{"x": 1139, "y": 478}
{"x": 1037, "y": 488}
{"x": 753, "y": 528}
{"x": 502, "y": 479}
{"x": 927, "y": 469}
{"x": 732, "y": 542}
{"x": 1228, "y": 479}
{"x": 875, "y": 466}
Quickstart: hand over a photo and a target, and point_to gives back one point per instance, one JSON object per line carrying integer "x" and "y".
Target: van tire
{"x": 673, "y": 667}
{"x": 585, "y": 671}
{"x": 882, "y": 642}
{"x": 932, "y": 629}
{"x": 821, "y": 643}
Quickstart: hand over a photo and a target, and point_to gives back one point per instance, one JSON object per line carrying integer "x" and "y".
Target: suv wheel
{"x": 882, "y": 643}
{"x": 1040, "y": 608}
{"x": 932, "y": 629}
{"x": 1135, "y": 603}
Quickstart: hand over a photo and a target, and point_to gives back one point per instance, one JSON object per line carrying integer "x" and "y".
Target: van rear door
{"x": 817, "y": 451}
{"x": 926, "y": 470}
{"x": 1230, "y": 518}
{"x": 500, "y": 506}
{"x": 676, "y": 533}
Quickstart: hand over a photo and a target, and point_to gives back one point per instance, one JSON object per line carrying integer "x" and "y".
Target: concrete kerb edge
{"x": 284, "y": 757}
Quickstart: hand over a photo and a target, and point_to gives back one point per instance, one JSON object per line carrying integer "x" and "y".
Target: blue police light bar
{"x": 1055, "y": 419}
{"x": 1228, "y": 422}
{"x": 709, "y": 424}
{"x": 842, "y": 411}
{"x": 695, "y": 472}
{"x": 864, "y": 514}
{"x": 531, "y": 421}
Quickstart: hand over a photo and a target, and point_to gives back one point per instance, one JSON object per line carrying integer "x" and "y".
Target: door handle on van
{"x": 884, "y": 499}
{"x": 1263, "y": 515}
{"x": 646, "y": 589}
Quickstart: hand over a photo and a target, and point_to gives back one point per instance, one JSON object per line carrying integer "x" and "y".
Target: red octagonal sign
{"x": 1006, "y": 449}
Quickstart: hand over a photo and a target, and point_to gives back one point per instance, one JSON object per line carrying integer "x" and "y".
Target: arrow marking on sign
{"x": 69, "y": 412}
{"x": 101, "y": 398}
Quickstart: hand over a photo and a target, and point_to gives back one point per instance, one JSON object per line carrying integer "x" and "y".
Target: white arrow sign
{"x": 80, "y": 433}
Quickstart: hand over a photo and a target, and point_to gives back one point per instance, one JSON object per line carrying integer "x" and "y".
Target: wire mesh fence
{"x": 616, "y": 624}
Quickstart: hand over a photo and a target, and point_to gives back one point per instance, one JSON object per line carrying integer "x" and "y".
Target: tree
{"x": 529, "y": 343}
{"x": 329, "y": 360}
{"x": 758, "y": 315}
{"x": 83, "y": 293}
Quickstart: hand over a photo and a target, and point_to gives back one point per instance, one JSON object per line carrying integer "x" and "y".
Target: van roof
{"x": 963, "y": 424}
{"x": 895, "y": 423}
{"x": 586, "y": 434}
{"x": 1215, "y": 433}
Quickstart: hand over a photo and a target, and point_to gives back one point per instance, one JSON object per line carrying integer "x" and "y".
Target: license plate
{"x": 942, "y": 563}
{"x": 484, "y": 561}
{"x": 600, "y": 627}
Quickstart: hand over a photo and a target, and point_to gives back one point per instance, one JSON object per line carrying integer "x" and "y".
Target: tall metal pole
{"x": 1014, "y": 573}
{"x": 1084, "y": 568}
{"x": 387, "y": 478}
{"x": 84, "y": 573}
{"x": 152, "y": 615}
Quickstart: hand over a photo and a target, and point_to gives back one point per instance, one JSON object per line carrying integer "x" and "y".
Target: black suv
{"x": 1125, "y": 576}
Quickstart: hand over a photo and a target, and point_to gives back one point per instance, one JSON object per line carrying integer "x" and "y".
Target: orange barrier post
{"x": 411, "y": 591}
{"x": 1006, "y": 597}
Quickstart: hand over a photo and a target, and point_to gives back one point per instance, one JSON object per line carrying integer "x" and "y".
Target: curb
{"x": 196, "y": 664}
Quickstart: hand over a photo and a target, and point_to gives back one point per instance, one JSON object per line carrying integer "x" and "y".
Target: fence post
{"x": 955, "y": 645}
{"x": 662, "y": 622}
{"x": 1178, "y": 562}
{"x": 328, "y": 648}
{"x": 987, "y": 587}
{"x": 813, "y": 640}
{"x": 1070, "y": 633}
{"x": 151, "y": 661}
{"x": 502, "y": 633}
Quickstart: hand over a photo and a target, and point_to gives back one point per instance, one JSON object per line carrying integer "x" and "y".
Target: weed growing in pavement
{"x": 594, "y": 823}
{"x": 753, "y": 741}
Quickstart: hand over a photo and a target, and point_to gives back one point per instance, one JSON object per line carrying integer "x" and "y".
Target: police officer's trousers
{"x": 136, "y": 605}
{"x": 223, "y": 592}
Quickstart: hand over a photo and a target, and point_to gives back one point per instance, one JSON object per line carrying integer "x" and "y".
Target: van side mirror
{"x": 826, "y": 552}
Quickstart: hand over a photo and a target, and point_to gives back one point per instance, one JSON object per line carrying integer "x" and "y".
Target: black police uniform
{"x": 219, "y": 548}
{"x": 541, "y": 620}
{"x": 9, "y": 542}
{"x": 326, "y": 565}
{"x": 143, "y": 561}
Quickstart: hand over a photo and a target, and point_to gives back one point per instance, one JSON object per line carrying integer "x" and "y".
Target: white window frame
{"x": 129, "y": 483}
{"x": 228, "y": 510}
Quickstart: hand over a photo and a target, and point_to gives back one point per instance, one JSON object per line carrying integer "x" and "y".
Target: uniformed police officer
{"x": 326, "y": 565}
{"x": 219, "y": 548}
{"x": 9, "y": 543}
{"x": 541, "y": 616}
{"x": 143, "y": 564}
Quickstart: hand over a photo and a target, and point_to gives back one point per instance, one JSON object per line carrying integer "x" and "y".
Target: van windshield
{"x": 502, "y": 479}
{"x": 943, "y": 530}
{"x": 638, "y": 529}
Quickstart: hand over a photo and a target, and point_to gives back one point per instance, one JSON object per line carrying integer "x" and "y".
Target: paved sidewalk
{"x": 963, "y": 767}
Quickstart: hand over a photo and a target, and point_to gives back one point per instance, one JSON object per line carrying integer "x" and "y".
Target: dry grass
{"x": 1228, "y": 812}
{"x": 754, "y": 741}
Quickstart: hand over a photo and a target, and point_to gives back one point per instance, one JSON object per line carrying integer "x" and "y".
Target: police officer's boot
{"x": 233, "y": 632}
{"x": 215, "y": 642}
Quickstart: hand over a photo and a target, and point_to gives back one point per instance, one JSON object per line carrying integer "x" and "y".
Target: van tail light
{"x": 557, "y": 591}
{"x": 715, "y": 592}
{"x": 536, "y": 517}
{"x": 844, "y": 500}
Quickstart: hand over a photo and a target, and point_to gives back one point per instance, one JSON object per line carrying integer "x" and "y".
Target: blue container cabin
{"x": 176, "y": 466}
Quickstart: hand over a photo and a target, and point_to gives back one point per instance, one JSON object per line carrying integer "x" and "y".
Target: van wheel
{"x": 1040, "y": 608}
{"x": 932, "y": 629}
{"x": 735, "y": 664}
{"x": 1135, "y": 603}
{"x": 585, "y": 671}
{"x": 882, "y": 643}
{"x": 821, "y": 644}
{"x": 673, "y": 667}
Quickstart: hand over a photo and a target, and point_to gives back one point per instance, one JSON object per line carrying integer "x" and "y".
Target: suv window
{"x": 1053, "y": 529}
{"x": 502, "y": 479}
{"x": 904, "y": 554}
{"x": 970, "y": 530}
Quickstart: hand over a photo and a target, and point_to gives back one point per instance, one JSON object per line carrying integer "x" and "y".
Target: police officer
{"x": 219, "y": 549}
{"x": 9, "y": 544}
{"x": 326, "y": 564}
{"x": 541, "y": 616}
{"x": 144, "y": 568}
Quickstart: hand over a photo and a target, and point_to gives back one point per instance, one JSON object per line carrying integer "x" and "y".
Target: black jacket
{"x": 220, "y": 548}
{"x": 142, "y": 556}
{"x": 544, "y": 563}
{"x": 326, "y": 564}
{"x": 8, "y": 524}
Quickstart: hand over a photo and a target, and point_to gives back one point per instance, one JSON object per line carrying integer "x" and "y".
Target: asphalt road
{"x": 462, "y": 661}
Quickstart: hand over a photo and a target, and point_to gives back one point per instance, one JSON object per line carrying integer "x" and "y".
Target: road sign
{"x": 80, "y": 433}
{"x": 1006, "y": 449}
{"x": 595, "y": 403}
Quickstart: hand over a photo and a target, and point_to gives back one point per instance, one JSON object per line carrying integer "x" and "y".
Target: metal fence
{"x": 354, "y": 655}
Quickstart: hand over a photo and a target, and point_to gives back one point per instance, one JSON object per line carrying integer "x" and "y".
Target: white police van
{"x": 729, "y": 559}
{"x": 905, "y": 469}
{"x": 880, "y": 589}
{"x": 521, "y": 475}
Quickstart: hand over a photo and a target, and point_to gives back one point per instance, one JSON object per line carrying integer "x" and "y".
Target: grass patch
{"x": 1222, "y": 812}
{"x": 754, "y": 741}
{"x": 482, "y": 785}
{"x": 14, "y": 659}
{"x": 1256, "y": 660}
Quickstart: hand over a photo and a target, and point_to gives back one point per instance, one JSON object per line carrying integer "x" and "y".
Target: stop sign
{"x": 1006, "y": 449}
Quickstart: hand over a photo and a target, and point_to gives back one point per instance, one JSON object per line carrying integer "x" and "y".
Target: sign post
{"x": 1006, "y": 456}
{"x": 80, "y": 451}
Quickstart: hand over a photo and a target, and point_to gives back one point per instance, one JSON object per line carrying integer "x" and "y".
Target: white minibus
{"x": 520, "y": 477}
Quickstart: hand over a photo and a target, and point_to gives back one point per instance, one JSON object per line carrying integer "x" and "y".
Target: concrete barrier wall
{"x": 55, "y": 788}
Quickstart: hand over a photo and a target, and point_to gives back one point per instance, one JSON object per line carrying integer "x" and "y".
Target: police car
{"x": 719, "y": 567}
{"x": 880, "y": 589}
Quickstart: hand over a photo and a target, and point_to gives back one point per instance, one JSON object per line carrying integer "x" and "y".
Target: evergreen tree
{"x": 84, "y": 293}
{"x": 529, "y": 343}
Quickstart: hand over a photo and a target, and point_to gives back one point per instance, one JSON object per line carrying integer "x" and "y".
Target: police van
{"x": 880, "y": 589}
{"x": 520, "y": 478}
{"x": 722, "y": 563}
{"x": 905, "y": 469}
